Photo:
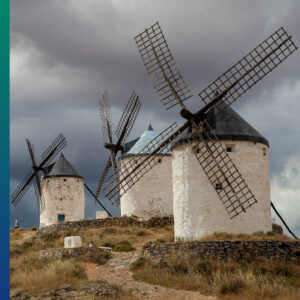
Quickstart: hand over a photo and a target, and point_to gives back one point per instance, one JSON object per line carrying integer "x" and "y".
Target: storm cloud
{"x": 65, "y": 54}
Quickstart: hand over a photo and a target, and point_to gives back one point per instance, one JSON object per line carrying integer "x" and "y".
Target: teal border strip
{"x": 4, "y": 149}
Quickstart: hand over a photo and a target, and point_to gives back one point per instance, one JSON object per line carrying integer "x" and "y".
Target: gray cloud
{"x": 65, "y": 54}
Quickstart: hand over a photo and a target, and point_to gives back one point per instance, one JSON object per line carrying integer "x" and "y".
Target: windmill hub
{"x": 114, "y": 147}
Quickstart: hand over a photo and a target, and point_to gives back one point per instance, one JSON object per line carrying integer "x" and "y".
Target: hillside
{"x": 127, "y": 275}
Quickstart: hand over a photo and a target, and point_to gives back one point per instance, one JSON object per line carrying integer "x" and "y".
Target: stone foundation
{"x": 227, "y": 250}
{"x": 87, "y": 254}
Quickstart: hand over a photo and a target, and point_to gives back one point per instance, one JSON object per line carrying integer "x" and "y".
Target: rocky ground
{"x": 111, "y": 281}
{"x": 117, "y": 272}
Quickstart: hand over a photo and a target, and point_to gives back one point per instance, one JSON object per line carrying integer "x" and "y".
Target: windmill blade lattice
{"x": 250, "y": 69}
{"x": 22, "y": 188}
{"x": 103, "y": 176}
{"x": 161, "y": 67}
{"x": 57, "y": 145}
{"x": 229, "y": 184}
{"x": 128, "y": 117}
{"x": 136, "y": 167}
{"x": 106, "y": 118}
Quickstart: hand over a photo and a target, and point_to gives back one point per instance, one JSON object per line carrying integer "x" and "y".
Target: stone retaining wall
{"x": 227, "y": 250}
{"x": 116, "y": 221}
{"x": 88, "y": 254}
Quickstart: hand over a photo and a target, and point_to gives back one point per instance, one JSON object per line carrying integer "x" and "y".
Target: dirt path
{"x": 116, "y": 271}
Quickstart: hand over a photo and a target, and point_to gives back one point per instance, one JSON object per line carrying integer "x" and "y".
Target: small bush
{"x": 160, "y": 241}
{"x": 180, "y": 268}
{"x": 232, "y": 287}
{"x": 204, "y": 267}
{"x": 123, "y": 248}
{"x": 283, "y": 271}
{"x": 109, "y": 230}
{"x": 109, "y": 244}
{"x": 141, "y": 233}
{"x": 270, "y": 233}
{"x": 34, "y": 229}
{"x": 140, "y": 262}
{"x": 79, "y": 272}
{"x": 50, "y": 236}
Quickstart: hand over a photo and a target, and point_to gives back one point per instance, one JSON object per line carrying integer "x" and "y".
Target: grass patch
{"x": 223, "y": 279}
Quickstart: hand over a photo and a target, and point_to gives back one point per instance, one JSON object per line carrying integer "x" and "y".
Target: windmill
{"x": 172, "y": 90}
{"x": 123, "y": 129}
{"x": 33, "y": 176}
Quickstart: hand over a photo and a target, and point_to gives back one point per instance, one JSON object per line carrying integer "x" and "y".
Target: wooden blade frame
{"x": 250, "y": 69}
{"x": 58, "y": 144}
{"x": 106, "y": 169}
{"x": 221, "y": 171}
{"x": 106, "y": 118}
{"x": 128, "y": 118}
{"x": 161, "y": 66}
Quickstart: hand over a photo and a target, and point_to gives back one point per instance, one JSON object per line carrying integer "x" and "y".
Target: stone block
{"x": 101, "y": 214}
{"x": 72, "y": 242}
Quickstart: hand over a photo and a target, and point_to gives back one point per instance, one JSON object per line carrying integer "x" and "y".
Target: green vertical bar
{"x": 4, "y": 149}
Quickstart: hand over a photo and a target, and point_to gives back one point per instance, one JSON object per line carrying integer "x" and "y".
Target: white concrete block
{"x": 72, "y": 242}
{"x": 101, "y": 214}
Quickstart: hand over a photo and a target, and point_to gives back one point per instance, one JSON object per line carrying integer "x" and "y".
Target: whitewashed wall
{"x": 62, "y": 195}
{"x": 153, "y": 194}
{"x": 198, "y": 211}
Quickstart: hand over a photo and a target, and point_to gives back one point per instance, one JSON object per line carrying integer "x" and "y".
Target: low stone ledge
{"x": 87, "y": 254}
{"x": 227, "y": 250}
{"x": 115, "y": 221}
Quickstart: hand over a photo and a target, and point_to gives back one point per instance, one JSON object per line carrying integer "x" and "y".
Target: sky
{"x": 66, "y": 54}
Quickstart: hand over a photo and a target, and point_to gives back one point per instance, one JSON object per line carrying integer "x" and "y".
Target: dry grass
{"x": 221, "y": 236}
{"x": 34, "y": 276}
{"x": 28, "y": 273}
{"x": 227, "y": 280}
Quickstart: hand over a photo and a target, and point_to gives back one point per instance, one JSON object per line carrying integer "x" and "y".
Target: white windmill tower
{"x": 214, "y": 163}
{"x": 145, "y": 199}
{"x": 62, "y": 194}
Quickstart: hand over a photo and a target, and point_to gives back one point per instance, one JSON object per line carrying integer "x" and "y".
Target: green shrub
{"x": 160, "y": 241}
{"x": 204, "y": 267}
{"x": 109, "y": 230}
{"x": 123, "y": 248}
{"x": 140, "y": 262}
{"x": 141, "y": 233}
{"x": 180, "y": 268}
{"x": 34, "y": 229}
{"x": 232, "y": 287}
{"x": 50, "y": 236}
{"x": 109, "y": 244}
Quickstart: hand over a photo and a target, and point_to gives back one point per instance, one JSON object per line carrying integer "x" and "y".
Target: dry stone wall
{"x": 227, "y": 250}
{"x": 116, "y": 221}
{"x": 88, "y": 254}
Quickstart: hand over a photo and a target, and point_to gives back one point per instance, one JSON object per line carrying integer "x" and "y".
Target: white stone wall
{"x": 198, "y": 210}
{"x": 153, "y": 194}
{"x": 62, "y": 195}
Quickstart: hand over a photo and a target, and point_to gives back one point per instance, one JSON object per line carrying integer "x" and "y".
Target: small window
{"x": 229, "y": 148}
{"x": 60, "y": 199}
{"x": 219, "y": 186}
{"x": 61, "y": 218}
{"x": 48, "y": 180}
{"x": 65, "y": 179}
{"x": 198, "y": 151}
{"x": 264, "y": 151}
{"x": 159, "y": 160}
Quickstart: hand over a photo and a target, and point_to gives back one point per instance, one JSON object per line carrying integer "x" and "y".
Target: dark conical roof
{"x": 227, "y": 125}
{"x": 63, "y": 168}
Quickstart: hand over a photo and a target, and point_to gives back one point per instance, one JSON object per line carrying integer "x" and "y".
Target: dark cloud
{"x": 65, "y": 54}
